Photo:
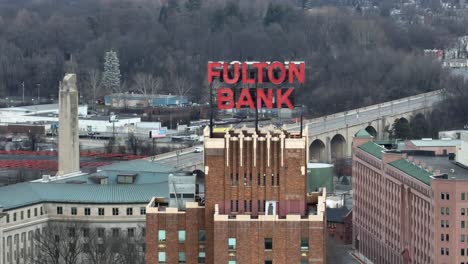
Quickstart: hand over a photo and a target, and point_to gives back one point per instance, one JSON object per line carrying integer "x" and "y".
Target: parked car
{"x": 198, "y": 149}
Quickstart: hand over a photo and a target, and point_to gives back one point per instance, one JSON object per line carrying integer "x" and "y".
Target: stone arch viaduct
{"x": 330, "y": 137}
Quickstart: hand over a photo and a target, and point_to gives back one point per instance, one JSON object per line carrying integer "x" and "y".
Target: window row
{"x": 445, "y": 210}
{"x": 268, "y": 243}
{"x": 22, "y": 216}
{"x": 445, "y": 196}
{"x": 180, "y": 235}
{"x": 100, "y": 211}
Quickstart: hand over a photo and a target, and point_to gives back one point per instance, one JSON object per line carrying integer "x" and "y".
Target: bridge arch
{"x": 371, "y": 130}
{"x": 317, "y": 151}
{"x": 338, "y": 147}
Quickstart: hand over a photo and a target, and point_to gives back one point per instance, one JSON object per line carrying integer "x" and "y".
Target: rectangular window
{"x": 237, "y": 178}
{"x": 258, "y": 177}
{"x": 181, "y": 257}
{"x": 268, "y": 243}
{"x": 115, "y": 232}
{"x": 22, "y": 215}
{"x": 447, "y": 223}
{"x": 231, "y": 262}
{"x": 446, "y": 251}
{"x": 304, "y": 244}
{"x": 462, "y": 224}
{"x": 442, "y": 251}
{"x": 463, "y": 196}
{"x": 463, "y": 211}
{"x": 42, "y": 211}
{"x": 264, "y": 179}
{"x": 161, "y": 257}
{"x": 441, "y": 237}
{"x": 181, "y": 236}
{"x": 462, "y": 238}
{"x": 73, "y": 211}
{"x": 8, "y": 218}
{"x": 59, "y": 210}
{"x": 268, "y": 261}
{"x": 462, "y": 252}
{"x": 442, "y": 223}
{"x": 447, "y": 237}
{"x": 442, "y": 196}
{"x": 29, "y": 213}
{"x": 35, "y": 211}
{"x": 85, "y": 232}
{"x": 447, "y": 210}
{"x": 100, "y": 211}
{"x": 442, "y": 210}
{"x": 129, "y": 211}
{"x": 87, "y": 211}
{"x": 142, "y": 210}
{"x": 232, "y": 243}
{"x": 201, "y": 257}
{"x": 130, "y": 232}
{"x": 162, "y": 235}
{"x": 447, "y": 196}
{"x": 71, "y": 232}
{"x": 237, "y": 205}
{"x": 115, "y": 211}
{"x": 245, "y": 205}
{"x": 201, "y": 236}
{"x": 101, "y": 232}
{"x": 272, "y": 179}
{"x": 277, "y": 179}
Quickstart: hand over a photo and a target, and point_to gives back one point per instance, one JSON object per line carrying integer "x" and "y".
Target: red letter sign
{"x": 225, "y": 100}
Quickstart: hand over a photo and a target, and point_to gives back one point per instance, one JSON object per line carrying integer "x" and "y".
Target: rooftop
{"x": 337, "y": 215}
{"x": 373, "y": 149}
{"x": 413, "y": 170}
{"x": 23, "y": 194}
{"x": 436, "y": 142}
{"x": 362, "y": 134}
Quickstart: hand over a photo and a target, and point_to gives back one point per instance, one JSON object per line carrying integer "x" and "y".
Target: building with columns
{"x": 409, "y": 206}
{"x": 255, "y": 209}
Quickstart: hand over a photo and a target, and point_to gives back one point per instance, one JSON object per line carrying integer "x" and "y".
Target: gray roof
{"x": 337, "y": 215}
{"x": 436, "y": 143}
{"x": 23, "y": 194}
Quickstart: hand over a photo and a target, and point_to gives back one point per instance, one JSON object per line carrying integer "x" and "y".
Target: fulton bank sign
{"x": 273, "y": 84}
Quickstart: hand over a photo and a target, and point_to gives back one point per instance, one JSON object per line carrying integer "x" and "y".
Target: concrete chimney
{"x": 68, "y": 151}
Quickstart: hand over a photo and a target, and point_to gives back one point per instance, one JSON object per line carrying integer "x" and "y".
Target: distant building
{"x": 410, "y": 208}
{"x": 255, "y": 207}
{"x": 142, "y": 100}
{"x": 340, "y": 225}
{"x": 439, "y": 146}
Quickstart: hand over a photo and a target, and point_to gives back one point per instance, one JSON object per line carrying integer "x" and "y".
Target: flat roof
{"x": 445, "y": 166}
{"x": 30, "y": 193}
{"x": 436, "y": 143}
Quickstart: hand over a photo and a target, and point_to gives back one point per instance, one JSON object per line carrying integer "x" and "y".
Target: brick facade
{"x": 248, "y": 174}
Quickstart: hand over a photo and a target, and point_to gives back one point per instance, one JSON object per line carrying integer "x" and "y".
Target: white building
{"x": 112, "y": 200}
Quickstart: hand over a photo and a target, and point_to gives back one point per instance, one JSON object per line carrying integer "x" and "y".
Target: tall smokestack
{"x": 68, "y": 151}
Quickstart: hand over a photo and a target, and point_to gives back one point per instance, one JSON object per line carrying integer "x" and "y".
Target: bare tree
{"x": 115, "y": 247}
{"x": 182, "y": 85}
{"x": 59, "y": 243}
{"x": 94, "y": 81}
{"x": 147, "y": 83}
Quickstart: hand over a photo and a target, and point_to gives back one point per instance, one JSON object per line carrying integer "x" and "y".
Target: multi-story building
{"x": 409, "y": 207}
{"x": 110, "y": 204}
{"x": 255, "y": 209}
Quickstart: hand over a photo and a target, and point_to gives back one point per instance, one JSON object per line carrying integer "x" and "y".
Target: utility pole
{"x": 23, "y": 90}
{"x": 38, "y": 92}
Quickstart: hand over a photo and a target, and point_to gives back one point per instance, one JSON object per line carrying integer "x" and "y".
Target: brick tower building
{"x": 255, "y": 210}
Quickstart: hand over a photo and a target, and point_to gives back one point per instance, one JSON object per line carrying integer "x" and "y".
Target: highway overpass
{"x": 330, "y": 137}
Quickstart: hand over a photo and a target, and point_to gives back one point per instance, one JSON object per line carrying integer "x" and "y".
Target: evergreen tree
{"x": 111, "y": 74}
{"x": 400, "y": 129}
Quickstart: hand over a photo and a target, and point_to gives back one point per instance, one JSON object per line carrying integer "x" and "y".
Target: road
{"x": 367, "y": 114}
